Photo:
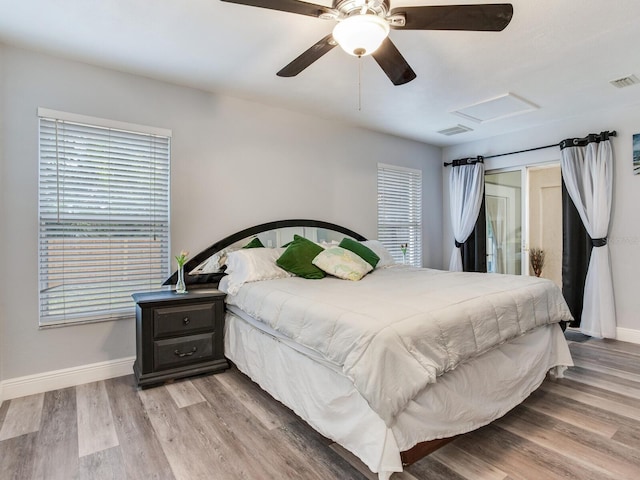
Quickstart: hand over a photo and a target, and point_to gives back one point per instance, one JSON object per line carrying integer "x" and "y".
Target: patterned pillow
{"x": 342, "y": 263}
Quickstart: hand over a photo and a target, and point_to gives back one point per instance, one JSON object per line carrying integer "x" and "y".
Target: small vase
{"x": 180, "y": 285}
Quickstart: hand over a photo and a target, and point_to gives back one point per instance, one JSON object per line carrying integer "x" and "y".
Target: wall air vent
{"x": 625, "y": 81}
{"x": 455, "y": 130}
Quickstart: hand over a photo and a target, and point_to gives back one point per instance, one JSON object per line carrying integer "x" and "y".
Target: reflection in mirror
{"x": 270, "y": 239}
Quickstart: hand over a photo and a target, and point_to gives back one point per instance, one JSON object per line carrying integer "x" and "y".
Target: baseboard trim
{"x": 67, "y": 377}
{"x": 628, "y": 335}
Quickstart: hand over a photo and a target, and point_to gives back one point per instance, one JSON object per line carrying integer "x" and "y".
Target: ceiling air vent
{"x": 455, "y": 130}
{"x": 625, "y": 81}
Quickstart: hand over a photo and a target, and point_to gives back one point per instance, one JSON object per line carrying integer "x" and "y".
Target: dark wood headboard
{"x": 208, "y": 279}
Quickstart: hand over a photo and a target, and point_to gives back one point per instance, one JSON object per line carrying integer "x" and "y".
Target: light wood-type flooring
{"x": 218, "y": 427}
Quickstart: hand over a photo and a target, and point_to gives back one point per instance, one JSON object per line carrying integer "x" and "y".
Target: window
{"x": 400, "y": 212}
{"x": 103, "y": 216}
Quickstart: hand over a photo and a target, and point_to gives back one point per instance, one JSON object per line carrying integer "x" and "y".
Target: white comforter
{"x": 396, "y": 330}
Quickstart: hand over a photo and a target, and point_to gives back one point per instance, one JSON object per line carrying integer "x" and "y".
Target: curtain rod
{"x": 472, "y": 160}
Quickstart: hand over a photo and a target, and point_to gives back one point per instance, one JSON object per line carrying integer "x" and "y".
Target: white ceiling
{"x": 557, "y": 54}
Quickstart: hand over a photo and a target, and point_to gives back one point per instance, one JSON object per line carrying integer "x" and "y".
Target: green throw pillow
{"x": 298, "y": 256}
{"x": 363, "y": 252}
{"x": 255, "y": 243}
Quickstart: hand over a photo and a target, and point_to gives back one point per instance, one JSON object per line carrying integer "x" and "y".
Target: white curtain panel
{"x": 588, "y": 175}
{"x": 466, "y": 187}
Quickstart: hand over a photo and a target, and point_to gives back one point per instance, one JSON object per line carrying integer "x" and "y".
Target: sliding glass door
{"x": 524, "y": 211}
{"x": 503, "y": 197}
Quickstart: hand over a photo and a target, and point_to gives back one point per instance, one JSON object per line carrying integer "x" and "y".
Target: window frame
{"x": 405, "y": 202}
{"x": 145, "y": 225}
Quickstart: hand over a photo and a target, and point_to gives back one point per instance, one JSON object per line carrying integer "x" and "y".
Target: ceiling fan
{"x": 363, "y": 28}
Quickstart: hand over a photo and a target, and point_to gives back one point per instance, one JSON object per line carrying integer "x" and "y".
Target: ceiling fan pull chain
{"x": 359, "y": 84}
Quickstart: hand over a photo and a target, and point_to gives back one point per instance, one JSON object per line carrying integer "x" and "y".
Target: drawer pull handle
{"x": 185, "y": 354}
{"x": 186, "y": 320}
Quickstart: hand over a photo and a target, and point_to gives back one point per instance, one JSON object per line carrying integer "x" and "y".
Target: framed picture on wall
{"x": 636, "y": 154}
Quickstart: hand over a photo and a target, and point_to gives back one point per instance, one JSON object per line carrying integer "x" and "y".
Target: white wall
{"x": 234, "y": 164}
{"x": 624, "y": 233}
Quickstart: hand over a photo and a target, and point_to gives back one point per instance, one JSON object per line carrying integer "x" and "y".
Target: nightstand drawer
{"x": 175, "y": 352}
{"x": 183, "y": 320}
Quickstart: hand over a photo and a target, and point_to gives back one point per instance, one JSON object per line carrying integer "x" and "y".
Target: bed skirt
{"x": 460, "y": 401}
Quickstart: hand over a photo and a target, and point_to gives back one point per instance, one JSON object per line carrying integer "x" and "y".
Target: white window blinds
{"x": 104, "y": 218}
{"x": 400, "y": 212}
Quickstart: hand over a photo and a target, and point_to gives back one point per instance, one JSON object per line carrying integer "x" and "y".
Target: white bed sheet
{"x": 460, "y": 401}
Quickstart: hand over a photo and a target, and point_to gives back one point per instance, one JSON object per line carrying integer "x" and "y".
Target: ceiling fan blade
{"x": 491, "y": 17}
{"x": 292, "y": 6}
{"x": 308, "y": 57}
{"x": 393, "y": 63}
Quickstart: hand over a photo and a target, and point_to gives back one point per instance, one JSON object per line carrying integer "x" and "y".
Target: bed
{"x": 394, "y": 364}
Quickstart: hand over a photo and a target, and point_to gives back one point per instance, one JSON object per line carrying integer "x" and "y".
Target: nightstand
{"x": 178, "y": 335}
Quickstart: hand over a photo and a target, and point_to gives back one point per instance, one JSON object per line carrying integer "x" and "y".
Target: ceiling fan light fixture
{"x": 360, "y": 35}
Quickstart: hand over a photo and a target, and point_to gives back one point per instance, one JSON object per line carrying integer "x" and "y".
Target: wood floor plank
{"x": 275, "y": 409}
{"x": 189, "y": 446}
{"x": 141, "y": 452}
{"x": 312, "y": 446}
{"x": 184, "y": 393}
{"x": 404, "y": 475}
{"x": 253, "y": 399}
{"x": 584, "y": 416}
{"x": 239, "y": 430}
{"x": 590, "y": 449}
{"x": 16, "y": 457}
{"x": 595, "y": 397}
{"x": 95, "y": 420}
{"x": 628, "y": 435}
{"x": 595, "y": 366}
{"x": 355, "y": 461}
{"x": 618, "y": 363}
{"x": 607, "y": 352}
{"x": 615, "y": 346}
{"x": 522, "y": 459}
{"x": 607, "y": 382}
{"x": 220, "y": 439}
{"x": 102, "y": 465}
{"x": 23, "y": 416}
{"x": 55, "y": 455}
{"x": 467, "y": 465}
{"x": 429, "y": 468}
{"x": 4, "y": 407}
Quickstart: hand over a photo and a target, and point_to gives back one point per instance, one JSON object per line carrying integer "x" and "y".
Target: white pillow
{"x": 342, "y": 263}
{"x": 252, "y": 265}
{"x": 379, "y": 249}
